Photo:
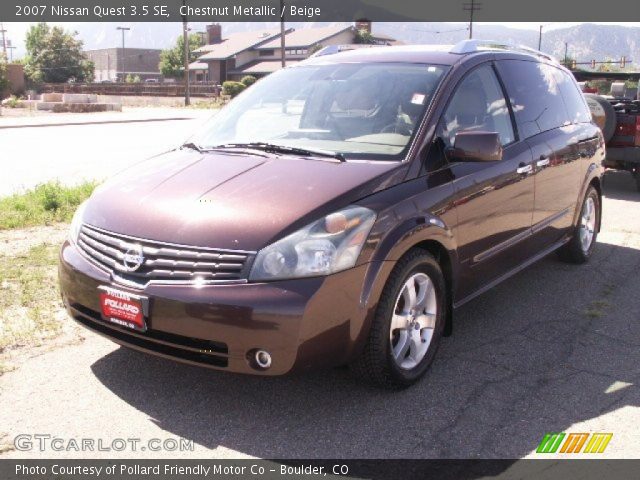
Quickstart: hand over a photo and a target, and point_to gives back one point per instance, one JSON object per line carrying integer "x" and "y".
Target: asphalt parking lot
{"x": 554, "y": 349}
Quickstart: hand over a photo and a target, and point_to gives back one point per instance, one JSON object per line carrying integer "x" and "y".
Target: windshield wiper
{"x": 275, "y": 148}
{"x": 199, "y": 149}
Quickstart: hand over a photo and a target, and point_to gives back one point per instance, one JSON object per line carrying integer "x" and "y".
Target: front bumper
{"x": 302, "y": 323}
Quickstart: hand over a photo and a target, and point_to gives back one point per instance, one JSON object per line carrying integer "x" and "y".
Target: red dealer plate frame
{"x": 123, "y": 308}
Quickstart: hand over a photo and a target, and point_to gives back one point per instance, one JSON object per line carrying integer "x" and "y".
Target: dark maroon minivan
{"x": 340, "y": 210}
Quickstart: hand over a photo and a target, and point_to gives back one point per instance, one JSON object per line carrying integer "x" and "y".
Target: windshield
{"x": 357, "y": 110}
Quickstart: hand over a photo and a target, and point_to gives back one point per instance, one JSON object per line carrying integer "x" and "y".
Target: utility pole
{"x": 282, "y": 43}
{"x": 185, "y": 38}
{"x": 124, "y": 71}
{"x": 471, "y": 7}
{"x": 566, "y": 54}
{"x": 540, "y": 39}
{"x": 4, "y": 40}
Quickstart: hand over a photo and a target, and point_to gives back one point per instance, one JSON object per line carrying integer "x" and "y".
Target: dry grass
{"x": 30, "y": 306}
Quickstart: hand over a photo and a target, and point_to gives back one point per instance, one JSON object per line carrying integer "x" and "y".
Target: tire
{"x": 603, "y": 114}
{"x": 377, "y": 364}
{"x": 636, "y": 175}
{"x": 577, "y": 250}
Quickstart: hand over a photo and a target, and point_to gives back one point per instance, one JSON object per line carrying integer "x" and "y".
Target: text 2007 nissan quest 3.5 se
{"x": 339, "y": 211}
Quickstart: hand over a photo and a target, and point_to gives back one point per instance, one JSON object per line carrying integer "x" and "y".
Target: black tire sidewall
{"x": 426, "y": 264}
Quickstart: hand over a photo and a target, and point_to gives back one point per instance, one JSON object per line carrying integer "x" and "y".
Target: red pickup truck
{"x": 619, "y": 119}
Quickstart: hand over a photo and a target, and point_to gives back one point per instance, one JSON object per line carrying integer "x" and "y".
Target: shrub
{"x": 248, "y": 80}
{"x": 232, "y": 88}
{"x": 12, "y": 102}
{"x": 45, "y": 204}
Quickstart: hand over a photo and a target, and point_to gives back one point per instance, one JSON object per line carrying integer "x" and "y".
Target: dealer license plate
{"x": 123, "y": 308}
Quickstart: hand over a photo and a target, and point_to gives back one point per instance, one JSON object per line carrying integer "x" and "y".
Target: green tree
{"x": 232, "y": 88}
{"x": 248, "y": 80}
{"x": 55, "y": 56}
{"x": 132, "y": 79}
{"x": 4, "y": 81}
{"x": 608, "y": 67}
{"x": 364, "y": 37}
{"x": 172, "y": 60}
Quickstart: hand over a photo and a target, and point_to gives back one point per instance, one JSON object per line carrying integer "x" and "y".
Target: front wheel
{"x": 583, "y": 241}
{"x": 408, "y": 324}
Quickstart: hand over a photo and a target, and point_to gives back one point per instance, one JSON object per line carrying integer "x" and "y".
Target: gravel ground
{"x": 554, "y": 349}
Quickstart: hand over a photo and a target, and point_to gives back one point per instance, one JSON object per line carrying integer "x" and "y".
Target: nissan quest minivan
{"x": 339, "y": 211}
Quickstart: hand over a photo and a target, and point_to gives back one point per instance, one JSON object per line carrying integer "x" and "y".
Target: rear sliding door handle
{"x": 524, "y": 169}
{"x": 543, "y": 162}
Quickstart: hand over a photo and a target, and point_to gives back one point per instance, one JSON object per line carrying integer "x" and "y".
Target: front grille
{"x": 161, "y": 262}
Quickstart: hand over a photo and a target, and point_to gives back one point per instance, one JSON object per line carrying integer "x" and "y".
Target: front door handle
{"x": 524, "y": 169}
{"x": 543, "y": 162}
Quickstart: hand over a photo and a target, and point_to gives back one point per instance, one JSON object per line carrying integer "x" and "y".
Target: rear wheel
{"x": 583, "y": 241}
{"x": 636, "y": 175}
{"x": 408, "y": 324}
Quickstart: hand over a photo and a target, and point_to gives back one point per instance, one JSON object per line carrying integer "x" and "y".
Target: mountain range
{"x": 584, "y": 42}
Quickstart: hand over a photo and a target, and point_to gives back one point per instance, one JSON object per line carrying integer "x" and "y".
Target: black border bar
{"x": 317, "y": 10}
{"x": 586, "y": 469}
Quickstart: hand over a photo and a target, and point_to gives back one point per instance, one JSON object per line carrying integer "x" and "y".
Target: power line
{"x": 440, "y": 31}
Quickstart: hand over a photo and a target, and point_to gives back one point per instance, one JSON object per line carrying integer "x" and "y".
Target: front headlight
{"x": 76, "y": 223}
{"x": 329, "y": 245}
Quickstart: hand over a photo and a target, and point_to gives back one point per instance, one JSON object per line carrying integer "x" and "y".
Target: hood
{"x": 229, "y": 201}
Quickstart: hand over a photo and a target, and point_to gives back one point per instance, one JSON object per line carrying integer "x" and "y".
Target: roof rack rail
{"x": 471, "y": 46}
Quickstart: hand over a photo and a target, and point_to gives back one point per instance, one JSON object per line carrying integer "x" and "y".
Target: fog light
{"x": 263, "y": 359}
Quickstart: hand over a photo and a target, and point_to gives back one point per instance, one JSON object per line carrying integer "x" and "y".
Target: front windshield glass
{"x": 358, "y": 110}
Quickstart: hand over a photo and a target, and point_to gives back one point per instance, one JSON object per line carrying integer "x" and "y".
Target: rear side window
{"x": 535, "y": 96}
{"x": 477, "y": 104}
{"x": 573, "y": 99}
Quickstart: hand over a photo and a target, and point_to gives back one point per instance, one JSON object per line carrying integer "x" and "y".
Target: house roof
{"x": 306, "y": 37}
{"x": 262, "y": 67}
{"x": 198, "y": 66}
{"x": 236, "y": 43}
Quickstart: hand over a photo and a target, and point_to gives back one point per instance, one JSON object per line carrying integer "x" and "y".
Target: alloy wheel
{"x": 413, "y": 321}
{"x": 587, "y": 224}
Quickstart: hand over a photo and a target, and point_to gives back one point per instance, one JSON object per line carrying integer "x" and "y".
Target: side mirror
{"x": 475, "y": 146}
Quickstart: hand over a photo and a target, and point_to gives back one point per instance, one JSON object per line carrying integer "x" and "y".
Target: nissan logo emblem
{"x": 133, "y": 258}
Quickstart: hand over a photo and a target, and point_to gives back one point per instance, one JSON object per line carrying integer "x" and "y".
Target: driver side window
{"x": 477, "y": 104}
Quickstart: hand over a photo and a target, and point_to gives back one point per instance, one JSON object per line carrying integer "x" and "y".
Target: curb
{"x": 96, "y": 122}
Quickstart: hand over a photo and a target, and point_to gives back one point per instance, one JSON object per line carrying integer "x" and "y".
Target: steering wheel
{"x": 398, "y": 127}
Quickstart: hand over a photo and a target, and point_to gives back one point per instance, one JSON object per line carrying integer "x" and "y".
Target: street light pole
{"x": 123, "y": 29}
